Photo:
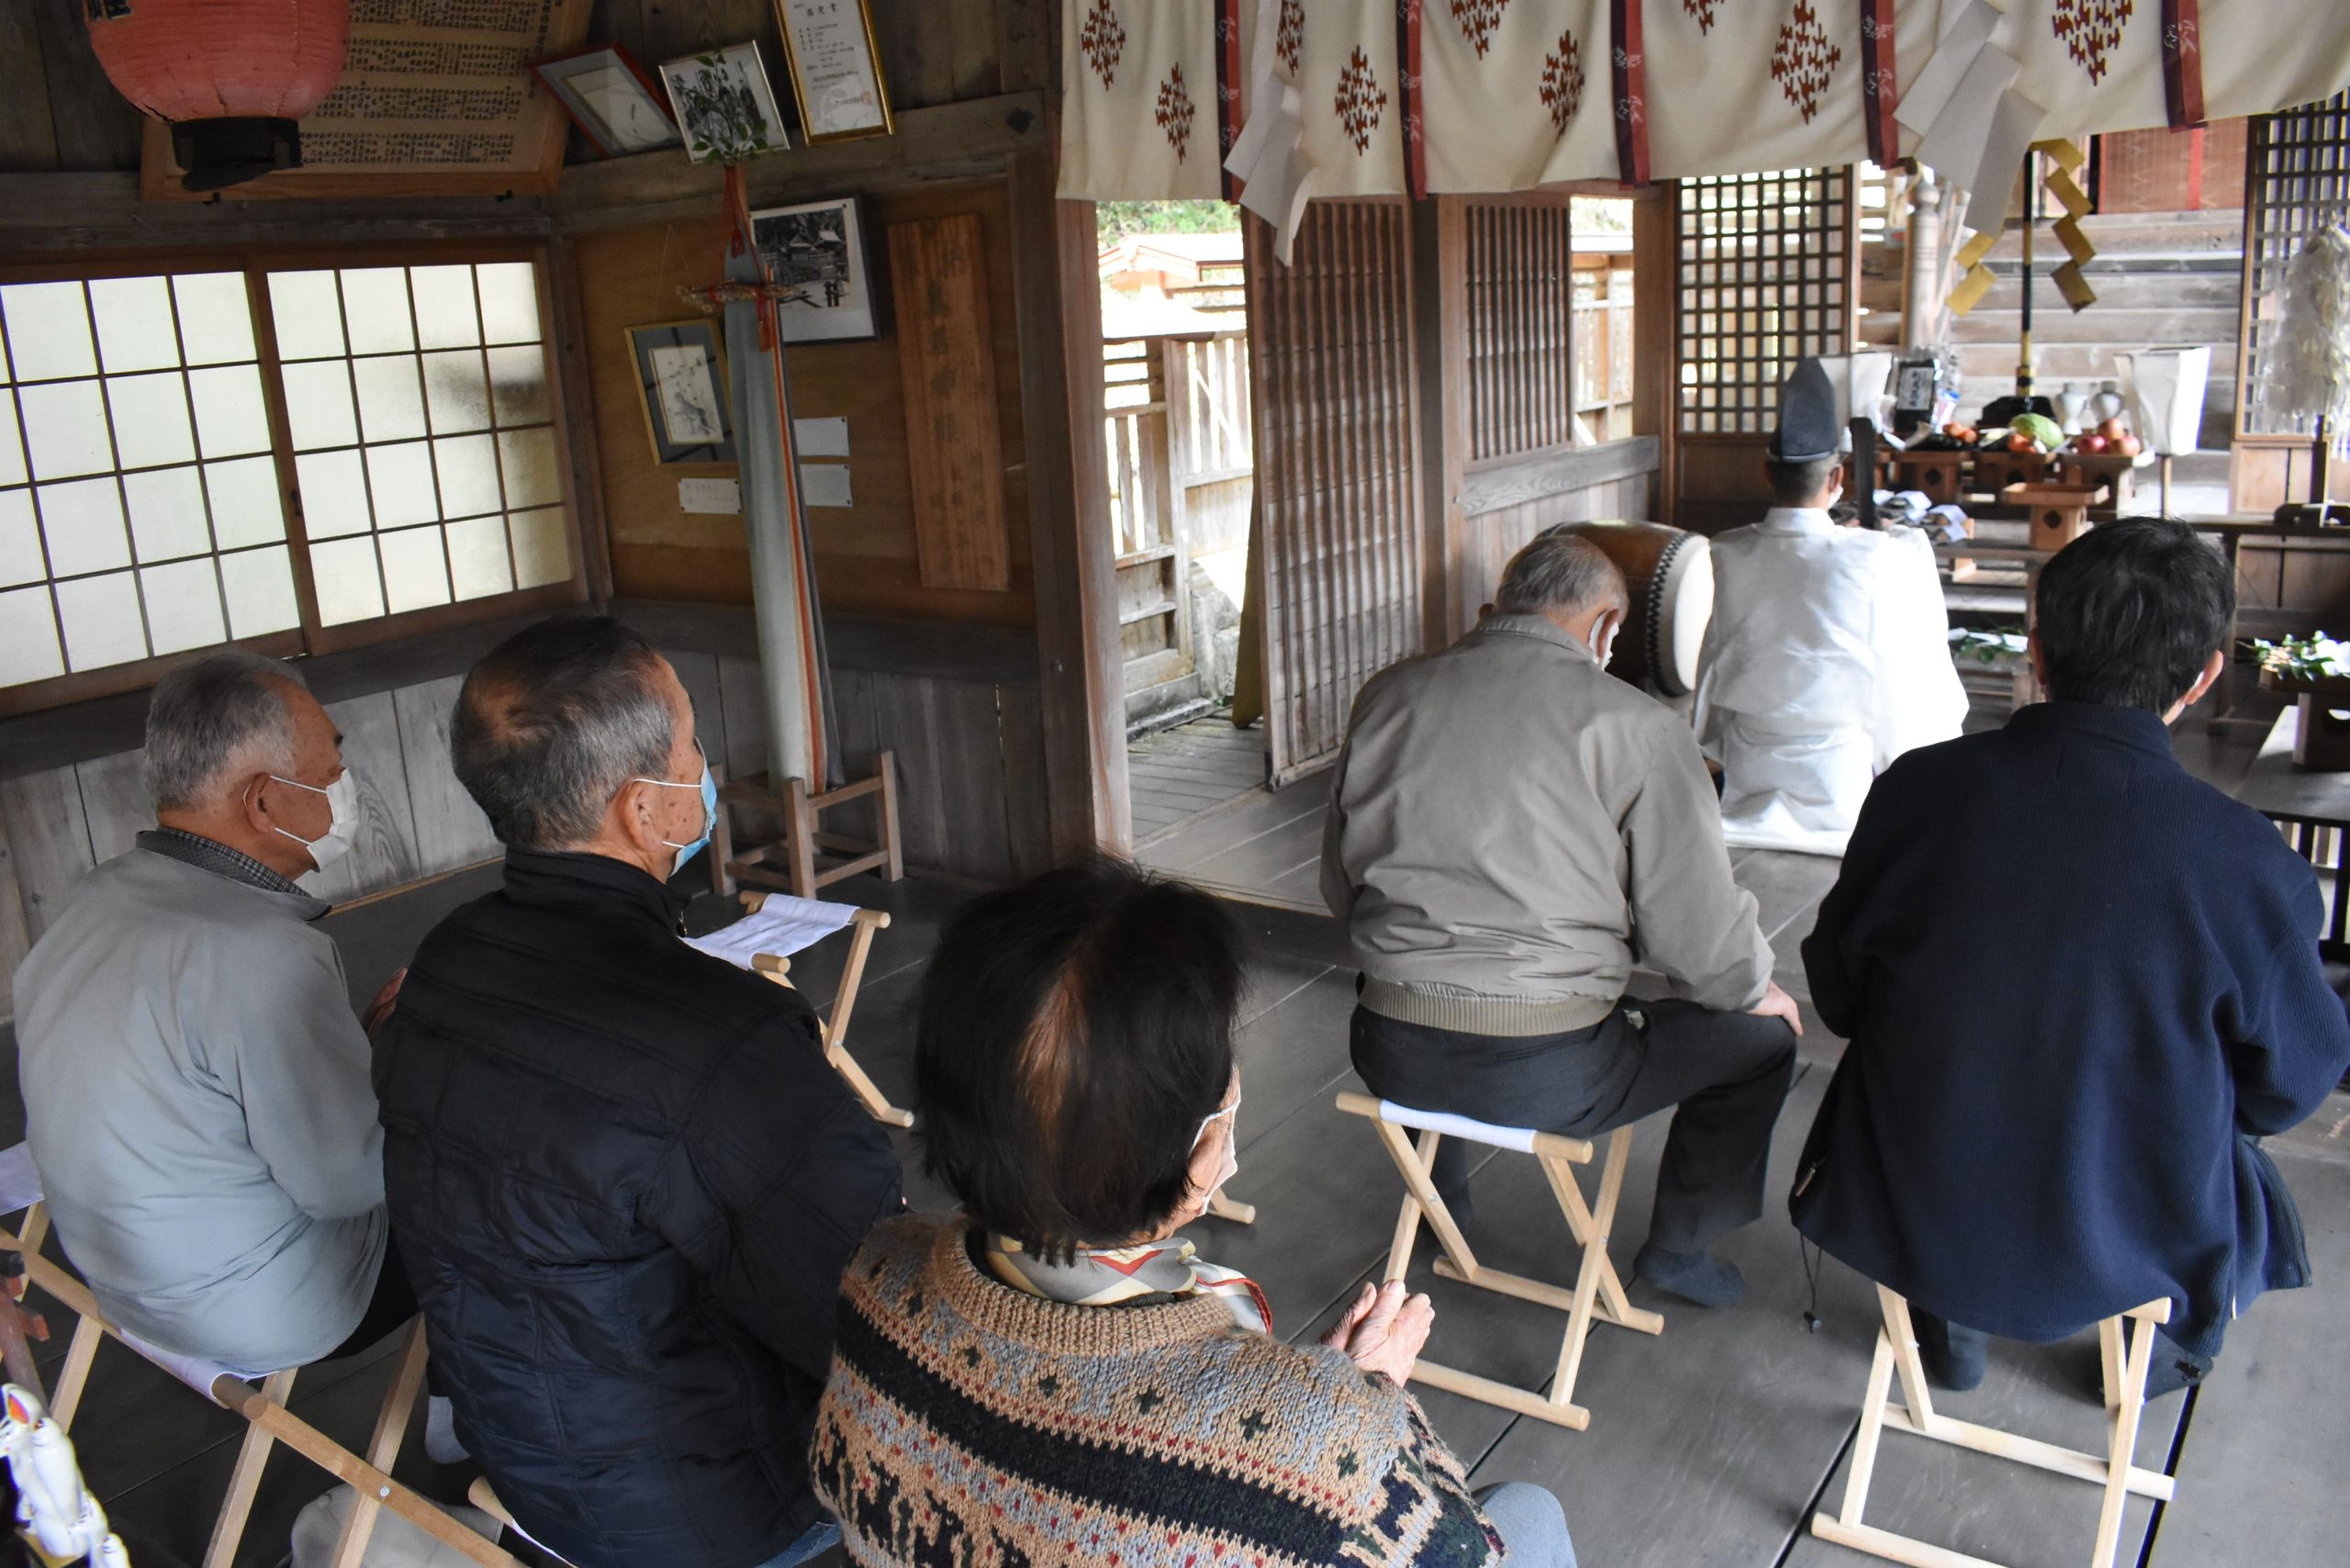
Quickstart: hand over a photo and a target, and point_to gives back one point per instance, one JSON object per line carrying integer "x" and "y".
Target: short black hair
{"x": 1794, "y": 484}
{"x": 2130, "y": 612}
{"x": 553, "y": 721}
{"x": 1074, "y": 1032}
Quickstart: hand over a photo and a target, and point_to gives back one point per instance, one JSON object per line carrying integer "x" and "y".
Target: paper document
{"x": 782, "y": 926}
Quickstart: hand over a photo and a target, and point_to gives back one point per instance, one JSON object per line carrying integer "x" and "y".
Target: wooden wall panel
{"x": 954, "y": 452}
{"x": 49, "y": 841}
{"x": 1486, "y": 540}
{"x": 1336, "y": 444}
{"x": 867, "y": 559}
{"x": 451, "y": 830}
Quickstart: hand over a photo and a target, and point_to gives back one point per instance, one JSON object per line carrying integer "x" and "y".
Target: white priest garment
{"x": 1827, "y": 656}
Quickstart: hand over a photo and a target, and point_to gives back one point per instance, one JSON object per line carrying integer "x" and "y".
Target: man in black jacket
{"x": 623, "y": 1175}
{"x": 2080, "y": 986}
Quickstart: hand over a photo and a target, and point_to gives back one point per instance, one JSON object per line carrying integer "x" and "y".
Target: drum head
{"x": 1680, "y": 605}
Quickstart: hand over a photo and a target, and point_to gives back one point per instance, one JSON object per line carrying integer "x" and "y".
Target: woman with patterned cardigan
{"x": 1050, "y": 1377}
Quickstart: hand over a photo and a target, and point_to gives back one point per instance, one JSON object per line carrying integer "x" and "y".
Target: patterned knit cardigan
{"x": 969, "y": 1426}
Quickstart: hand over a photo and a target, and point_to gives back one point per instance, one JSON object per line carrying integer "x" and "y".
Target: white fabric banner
{"x": 1139, "y": 109}
{"x": 1519, "y": 93}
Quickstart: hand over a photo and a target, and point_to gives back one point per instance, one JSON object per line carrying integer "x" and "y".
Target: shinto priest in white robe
{"x": 1827, "y": 656}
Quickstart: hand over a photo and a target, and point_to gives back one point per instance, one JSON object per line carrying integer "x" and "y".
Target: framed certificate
{"x": 835, "y": 72}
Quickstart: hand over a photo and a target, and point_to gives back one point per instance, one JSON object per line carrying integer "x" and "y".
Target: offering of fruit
{"x": 2113, "y": 428}
{"x": 2090, "y": 445}
{"x": 2038, "y": 429}
{"x": 2128, "y": 445}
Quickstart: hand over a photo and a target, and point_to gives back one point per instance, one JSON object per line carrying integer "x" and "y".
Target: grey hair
{"x": 1557, "y": 570}
{"x": 553, "y": 721}
{"x": 224, "y": 714}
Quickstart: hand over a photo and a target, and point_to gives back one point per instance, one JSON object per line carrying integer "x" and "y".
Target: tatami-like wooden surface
{"x": 1707, "y": 1445}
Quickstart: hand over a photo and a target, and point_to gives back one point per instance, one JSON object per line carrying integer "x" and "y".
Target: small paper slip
{"x": 783, "y": 925}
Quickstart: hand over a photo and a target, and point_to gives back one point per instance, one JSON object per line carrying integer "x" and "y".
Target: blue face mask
{"x": 709, "y": 788}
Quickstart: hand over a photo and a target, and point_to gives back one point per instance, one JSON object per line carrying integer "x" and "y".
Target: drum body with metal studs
{"x": 1669, "y": 574}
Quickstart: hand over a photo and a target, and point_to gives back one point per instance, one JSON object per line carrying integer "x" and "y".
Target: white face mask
{"x": 1603, "y": 649}
{"x": 342, "y": 821}
{"x": 1231, "y": 1143}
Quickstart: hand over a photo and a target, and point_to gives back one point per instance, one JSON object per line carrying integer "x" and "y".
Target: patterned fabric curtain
{"x": 1383, "y": 97}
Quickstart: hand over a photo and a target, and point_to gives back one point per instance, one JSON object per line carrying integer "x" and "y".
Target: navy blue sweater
{"x": 2078, "y": 983}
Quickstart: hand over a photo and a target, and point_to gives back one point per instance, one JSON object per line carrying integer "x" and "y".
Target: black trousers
{"x": 1728, "y": 1073}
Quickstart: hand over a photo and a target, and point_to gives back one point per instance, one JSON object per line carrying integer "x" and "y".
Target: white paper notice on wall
{"x": 824, "y": 484}
{"x": 710, "y": 495}
{"x": 821, "y": 438}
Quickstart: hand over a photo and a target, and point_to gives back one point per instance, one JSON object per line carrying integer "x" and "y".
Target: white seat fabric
{"x": 1449, "y": 1126}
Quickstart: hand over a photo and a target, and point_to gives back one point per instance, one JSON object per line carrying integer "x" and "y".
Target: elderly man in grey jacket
{"x": 194, "y": 1080}
{"x": 1511, "y": 830}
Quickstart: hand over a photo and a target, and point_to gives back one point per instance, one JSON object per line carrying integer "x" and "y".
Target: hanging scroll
{"x": 437, "y": 98}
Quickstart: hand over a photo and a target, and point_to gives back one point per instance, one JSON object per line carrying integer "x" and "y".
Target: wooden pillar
{"x": 1923, "y": 262}
{"x": 1656, "y": 344}
{"x": 1058, "y": 293}
{"x": 1440, "y": 325}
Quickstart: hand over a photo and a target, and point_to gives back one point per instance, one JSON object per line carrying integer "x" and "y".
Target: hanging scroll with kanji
{"x": 437, "y": 99}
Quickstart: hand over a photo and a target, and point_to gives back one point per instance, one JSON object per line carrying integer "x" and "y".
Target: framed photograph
{"x": 818, "y": 248}
{"x": 608, "y": 95}
{"x": 724, "y": 105}
{"x": 835, "y": 71}
{"x": 681, "y": 375}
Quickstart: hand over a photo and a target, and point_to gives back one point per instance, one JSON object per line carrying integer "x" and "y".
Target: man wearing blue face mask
{"x": 194, "y": 1082}
{"x": 623, "y": 1176}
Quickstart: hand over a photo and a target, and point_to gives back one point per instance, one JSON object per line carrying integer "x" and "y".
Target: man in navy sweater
{"x": 2080, "y": 986}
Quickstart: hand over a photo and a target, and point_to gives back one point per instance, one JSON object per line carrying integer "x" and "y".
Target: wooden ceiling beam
{"x": 948, "y": 141}
{"x": 103, "y": 212}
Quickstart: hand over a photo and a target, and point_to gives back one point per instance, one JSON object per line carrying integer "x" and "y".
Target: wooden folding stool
{"x": 2113, "y": 1471}
{"x": 270, "y": 1423}
{"x": 777, "y": 967}
{"x": 1598, "y": 1294}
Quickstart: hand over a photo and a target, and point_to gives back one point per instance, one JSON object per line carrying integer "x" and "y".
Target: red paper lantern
{"x": 231, "y": 76}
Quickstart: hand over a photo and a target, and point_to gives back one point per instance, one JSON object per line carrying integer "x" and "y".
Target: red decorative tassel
{"x": 1880, "y": 83}
{"x": 1407, "y": 63}
{"x": 1631, "y": 93}
{"x": 2183, "y": 61}
{"x": 1228, "y": 92}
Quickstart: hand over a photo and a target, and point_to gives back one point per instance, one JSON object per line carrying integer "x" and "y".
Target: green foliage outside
{"x": 1113, "y": 221}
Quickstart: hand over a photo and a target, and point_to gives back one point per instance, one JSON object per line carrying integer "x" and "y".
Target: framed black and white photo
{"x": 817, "y": 248}
{"x": 724, "y": 105}
{"x": 836, "y": 69}
{"x": 616, "y": 105}
{"x": 681, "y": 376}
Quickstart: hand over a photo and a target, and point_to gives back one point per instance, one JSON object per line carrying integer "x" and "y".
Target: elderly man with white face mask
{"x": 1511, "y": 830}
{"x": 194, "y": 1082}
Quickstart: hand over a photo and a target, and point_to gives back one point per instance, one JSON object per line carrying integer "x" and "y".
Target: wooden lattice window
{"x": 2297, "y": 182}
{"x": 1766, "y": 278}
{"x": 1520, "y": 387}
{"x": 299, "y": 452}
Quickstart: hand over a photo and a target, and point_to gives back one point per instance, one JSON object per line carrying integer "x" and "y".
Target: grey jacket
{"x": 1511, "y": 829}
{"x": 197, "y": 1097}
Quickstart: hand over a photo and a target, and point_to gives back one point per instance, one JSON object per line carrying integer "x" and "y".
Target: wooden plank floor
{"x": 1708, "y": 1445}
{"x": 1174, "y": 775}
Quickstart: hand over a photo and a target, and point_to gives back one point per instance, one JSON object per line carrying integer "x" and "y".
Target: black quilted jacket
{"x": 625, "y": 1183}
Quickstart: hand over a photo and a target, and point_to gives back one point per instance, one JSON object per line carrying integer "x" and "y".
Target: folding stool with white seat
{"x": 270, "y": 1423}
{"x": 2112, "y": 1472}
{"x": 1598, "y": 1294}
{"x": 775, "y": 925}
